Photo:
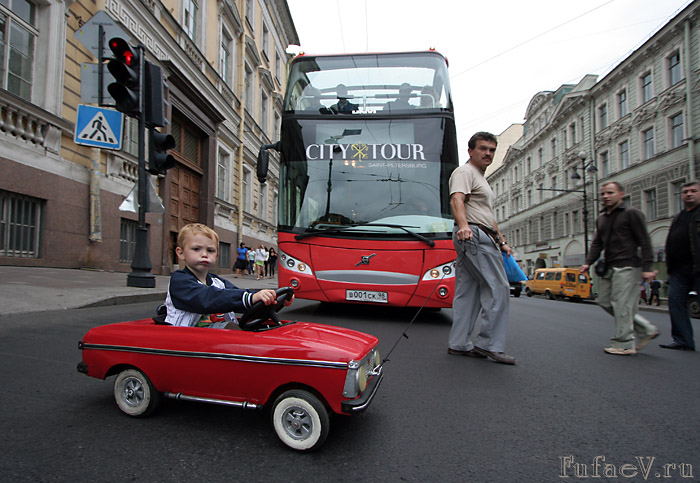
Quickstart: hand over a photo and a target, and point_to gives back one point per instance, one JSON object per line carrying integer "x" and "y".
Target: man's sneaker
{"x": 645, "y": 339}
{"x": 619, "y": 351}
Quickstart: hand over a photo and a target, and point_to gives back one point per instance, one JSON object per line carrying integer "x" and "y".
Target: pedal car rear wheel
{"x": 134, "y": 393}
{"x": 300, "y": 420}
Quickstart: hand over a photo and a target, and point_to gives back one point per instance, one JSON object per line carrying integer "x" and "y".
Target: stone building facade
{"x": 636, "y": 126}
{"x": 224, "y": 64}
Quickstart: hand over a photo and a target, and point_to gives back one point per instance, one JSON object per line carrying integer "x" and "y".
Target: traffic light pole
{"x": 141, "y": 275}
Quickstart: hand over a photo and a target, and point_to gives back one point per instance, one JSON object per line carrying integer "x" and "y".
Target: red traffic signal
{"x": 125, "y": 67}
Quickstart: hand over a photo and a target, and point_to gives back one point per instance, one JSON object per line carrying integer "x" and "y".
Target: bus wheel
{"x": 528, "y": 292}
{"x": 549, "y": 295}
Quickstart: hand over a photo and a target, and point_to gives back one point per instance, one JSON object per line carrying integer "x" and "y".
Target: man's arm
{"x": 639, "y": 228}
{"x": 502, "y": 243}
{"x": 459, "y": 212}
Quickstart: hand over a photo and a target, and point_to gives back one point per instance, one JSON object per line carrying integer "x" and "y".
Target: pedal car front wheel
{"x": 134, "y": 393}
{"x": 300, "y": 420}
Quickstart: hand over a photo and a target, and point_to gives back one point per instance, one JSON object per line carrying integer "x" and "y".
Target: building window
{"x": 276, "y": 127}
{"x": 603, "y": 116}
{"x": 540, "y": 157}
{"x": 248, "y": 88}
{"x": 247, "y": 189}
{"x": 540, "y": 190}
{"x": 17, "y": 40}
{"x": 528, "y": 165}
{"x": 250, "y": 13}
{"x": 554, "y": 147}
{"x": 650, "y": 200}
{"x": 676, "y": 127}
{"x": 574, "y": 222}
{"x": 20, "y": 222}
{"x": 224, "y": 255}
{"x": 265, "y": 42}
{"x": 187, "y": 141}
{"x": 226, "y": 64}
{"x": 554, "y": 185}
{"x": 648, "y": 143}
{"x": 646, "y": 87}
{"x": 528, "y": 199}
{"x": 572, "y": 134}
{"x": 278, "y": 68}
{"x": 264, "y": 122}
{"x": 130, "y": 142}
{"x": 262, "y": 202}
{"x": 674, "y": 68}
{"x": 622, "y": 103}
{"x": 677, "y": 201}
{"x": 275, "y": 200}
{"x": 127, "y": 240}
{"x": 624, "y": 154}
{"x": 190, "y": 18}
{"x": 223, "y": 177}
{"x": 605, "y": 164}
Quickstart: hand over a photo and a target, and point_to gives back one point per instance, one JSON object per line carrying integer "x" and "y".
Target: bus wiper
{"x": 343, "y": 228}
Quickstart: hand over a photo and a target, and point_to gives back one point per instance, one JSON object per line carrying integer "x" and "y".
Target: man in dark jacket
{"x": 621, "y": 232}
{"x": 683, "y": 264}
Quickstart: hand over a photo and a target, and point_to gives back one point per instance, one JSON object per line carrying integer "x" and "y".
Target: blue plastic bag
{"x": 513, "y": 271}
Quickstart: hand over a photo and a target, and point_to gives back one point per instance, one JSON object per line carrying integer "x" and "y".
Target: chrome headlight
{"x": 441, "y": 272}
{"x": 360, "y": 372}
{"x": 294, "y": 265}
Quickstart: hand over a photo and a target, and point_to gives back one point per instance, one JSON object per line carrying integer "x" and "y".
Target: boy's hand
{"x": 265, "y": 296}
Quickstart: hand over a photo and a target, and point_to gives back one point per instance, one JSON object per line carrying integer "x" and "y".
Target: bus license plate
{"x": 366, "y": 296}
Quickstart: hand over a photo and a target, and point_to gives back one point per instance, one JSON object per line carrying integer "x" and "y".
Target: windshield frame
{"x": 370, "y": 83}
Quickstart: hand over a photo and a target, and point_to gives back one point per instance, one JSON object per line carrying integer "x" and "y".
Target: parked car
{"x": 516, "y": 288}
{"x": 560, "y": 283}
{"x": 299, "y": 371}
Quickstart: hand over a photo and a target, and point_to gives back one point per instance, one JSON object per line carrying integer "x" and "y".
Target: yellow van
{"x": 559, "y": 283}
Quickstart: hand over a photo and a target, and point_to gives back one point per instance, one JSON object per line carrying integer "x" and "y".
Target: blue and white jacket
{"x": 188, "y": 299}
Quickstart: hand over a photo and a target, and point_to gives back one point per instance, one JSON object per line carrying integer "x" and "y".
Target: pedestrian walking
{"x": 655, "y": 289}
{"x": 620, "y": 234}
{"x": 683, "y": 265}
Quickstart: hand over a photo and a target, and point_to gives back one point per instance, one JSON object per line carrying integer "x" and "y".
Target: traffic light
{"x": 159, "y": 161}
{"x": 125, "y": 68}
{"x": 154, "y": 96}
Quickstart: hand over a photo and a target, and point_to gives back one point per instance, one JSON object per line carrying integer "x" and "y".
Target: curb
{"x": 125, "y": 300}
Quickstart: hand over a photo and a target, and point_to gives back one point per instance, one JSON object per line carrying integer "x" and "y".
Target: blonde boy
{"x": 195, "y": 296}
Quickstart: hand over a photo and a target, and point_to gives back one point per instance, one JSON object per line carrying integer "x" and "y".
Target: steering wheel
{"x": 259, "y": 312}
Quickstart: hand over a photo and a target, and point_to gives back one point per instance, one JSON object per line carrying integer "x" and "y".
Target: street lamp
{"x": 590, "y": 167}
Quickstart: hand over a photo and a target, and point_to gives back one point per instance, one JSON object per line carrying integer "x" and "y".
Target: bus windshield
{"x": 368, "y": 83}
{"x": 372, "y": 177}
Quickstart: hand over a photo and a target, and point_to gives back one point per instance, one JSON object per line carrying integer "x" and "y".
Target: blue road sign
{"x": 99, "y": 127}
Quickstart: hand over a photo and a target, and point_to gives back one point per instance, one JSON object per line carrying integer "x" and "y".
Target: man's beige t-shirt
{"x": 469, "y": 180}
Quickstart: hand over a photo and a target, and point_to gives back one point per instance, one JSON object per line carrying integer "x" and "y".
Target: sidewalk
{"x": 36, "y": 289}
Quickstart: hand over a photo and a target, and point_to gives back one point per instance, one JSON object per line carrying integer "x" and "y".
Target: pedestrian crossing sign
{"x": 99, "y": 127}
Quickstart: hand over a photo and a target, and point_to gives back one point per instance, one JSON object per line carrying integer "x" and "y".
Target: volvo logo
{"x": 365, "y": 260}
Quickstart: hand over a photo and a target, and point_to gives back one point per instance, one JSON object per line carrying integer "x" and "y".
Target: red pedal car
{"x": 300, "y": 370}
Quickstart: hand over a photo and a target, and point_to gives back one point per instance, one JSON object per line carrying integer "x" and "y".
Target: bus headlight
{"x": 446, "y": 270}
{"x": 294, "y": 265}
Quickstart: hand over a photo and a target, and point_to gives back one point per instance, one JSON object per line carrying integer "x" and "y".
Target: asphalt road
{"x": 565, "y": 409}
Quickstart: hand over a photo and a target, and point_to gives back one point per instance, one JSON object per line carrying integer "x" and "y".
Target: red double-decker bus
{"x": 367, "y": 146}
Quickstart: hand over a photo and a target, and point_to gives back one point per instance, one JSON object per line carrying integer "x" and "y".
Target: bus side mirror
{"x": 264, "y": 160}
